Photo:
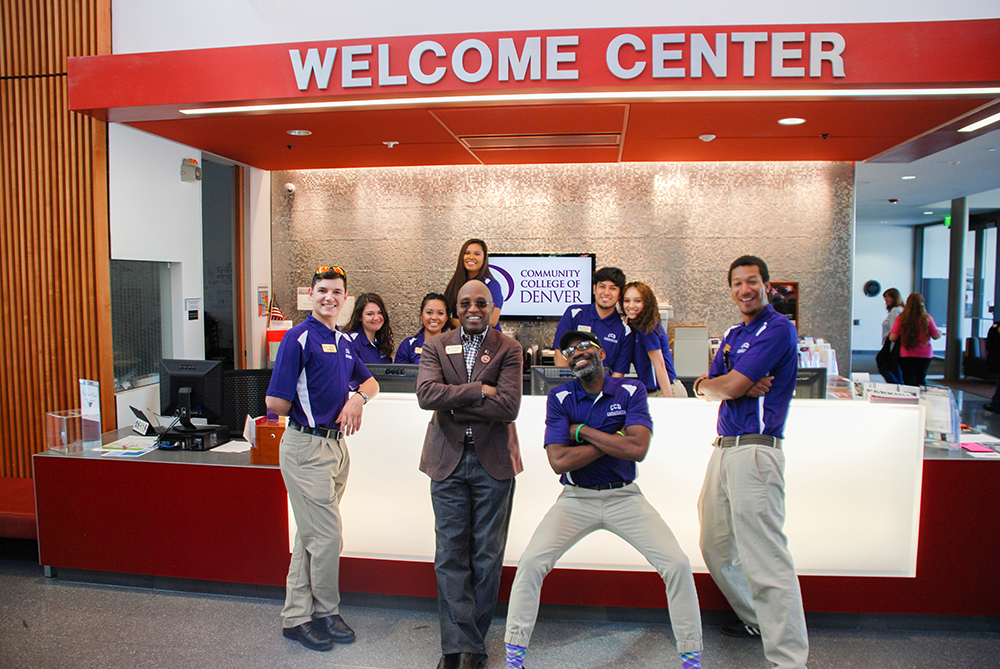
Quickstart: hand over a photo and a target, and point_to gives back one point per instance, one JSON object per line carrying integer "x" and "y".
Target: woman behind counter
{"x": 915, "y": 328}
{"x": 473, "y": 263}
{"x": 893, "y": 307}
{"x": 369, "y": 329}
{"x": 433, "y": 321}
{"x": 652, "y": 358}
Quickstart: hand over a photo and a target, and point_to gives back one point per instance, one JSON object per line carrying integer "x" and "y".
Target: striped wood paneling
{"x": 54, "y": 265}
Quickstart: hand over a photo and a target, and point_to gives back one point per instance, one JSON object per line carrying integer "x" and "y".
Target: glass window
{"x": 140, "y": 320}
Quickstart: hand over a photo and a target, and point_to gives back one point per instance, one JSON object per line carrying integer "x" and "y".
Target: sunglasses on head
{"x": 336, "y": 270}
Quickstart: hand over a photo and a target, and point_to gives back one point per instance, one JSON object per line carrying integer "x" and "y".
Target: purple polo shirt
{"x": 367, "y": 351}
{"x": 622, "y": 402}
{"x": 617, "y": 339}
{"x": 410, "y": 349}
{"x": 653, "y": 341}
{"x": 314, "y": 370}
{"x": 767, "y": 346}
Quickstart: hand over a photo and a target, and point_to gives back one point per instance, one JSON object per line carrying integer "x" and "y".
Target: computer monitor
{"x": 191, "y": 388}
{"x": 544, "y": 379}
{"x": 395, "y": 378}
{"x": 811, "y": 383}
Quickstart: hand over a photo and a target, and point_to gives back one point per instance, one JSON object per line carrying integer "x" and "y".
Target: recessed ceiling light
{"x": 708, "y": 137}
{"x": 989, "y": 120}
{"x": 791, "y": 121}
{"x": 389, "y": 145}
{"x": 300, "y": 133}
{"x": 909, "y": 177}
{"x": 928, "y": 213}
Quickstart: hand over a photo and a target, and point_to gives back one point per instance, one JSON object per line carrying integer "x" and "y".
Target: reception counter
{"x": 874, "y": 526}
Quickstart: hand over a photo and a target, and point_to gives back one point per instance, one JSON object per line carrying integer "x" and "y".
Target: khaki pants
{"x": 315, "y": 473}
{"x": 624, "y": 511}
{"x": 742, "y": 511}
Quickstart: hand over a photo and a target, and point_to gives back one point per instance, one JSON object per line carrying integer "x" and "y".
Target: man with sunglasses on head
{"x": 742, "y": 503}
{"x": 314, "y": 370}
{"x": 471, "y": 379}
{"x": 597, "y": 428}
{"x": 603, "y": 320}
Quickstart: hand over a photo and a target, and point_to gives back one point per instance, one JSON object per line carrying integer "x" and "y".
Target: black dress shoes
{"x": 336, "y": 629}
{"x": 462, "y": 661}
{"x": 310, "y": 634}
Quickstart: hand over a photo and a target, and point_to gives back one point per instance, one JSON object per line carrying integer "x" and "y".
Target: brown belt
{"x": 747, "y": 440}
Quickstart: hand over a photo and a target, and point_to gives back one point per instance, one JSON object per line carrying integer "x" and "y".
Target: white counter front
{"x": 853, "y": 473}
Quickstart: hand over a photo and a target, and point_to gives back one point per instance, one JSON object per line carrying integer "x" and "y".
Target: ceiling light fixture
{"x": 909, "y": 177}
{"x": 791, "y": 121}
{"x": 609, "y": 96}
{"x": 989, "y": 120}
{"x": 706, "y": 137}
{"x": 389, "y": 145}
{"x": 300, "y": 133}
{"x": 928, "y": 213}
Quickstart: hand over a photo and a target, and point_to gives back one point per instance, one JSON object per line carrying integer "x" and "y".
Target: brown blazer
{"x": 458, "y": 403}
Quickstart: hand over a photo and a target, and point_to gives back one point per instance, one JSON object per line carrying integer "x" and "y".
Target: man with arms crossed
{"x": 596, "y": 428}
{"x": 471, "y": 379}
{"x": 742, "y": 503}
{"x": 310, "y": 384}
{"x": 603, "y": 320}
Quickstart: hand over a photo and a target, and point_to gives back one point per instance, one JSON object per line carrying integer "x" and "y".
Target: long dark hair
{"x": 914, "y": 321}
{"x": 440, "y": 298}
{"x": 384, "y": 334}
{"x": 459, "y": 278}
{"x": 649, "y": 317}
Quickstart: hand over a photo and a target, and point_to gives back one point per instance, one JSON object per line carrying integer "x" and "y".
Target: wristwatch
{"x": 364, "y": 395}
{"x": 695, "y": 387}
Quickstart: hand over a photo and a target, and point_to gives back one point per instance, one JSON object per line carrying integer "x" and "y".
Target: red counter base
{"x": 229, "y": 523}
{"x": 957, "y": 547}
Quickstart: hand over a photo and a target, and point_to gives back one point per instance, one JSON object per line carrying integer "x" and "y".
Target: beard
{"x": 593, "y": 370}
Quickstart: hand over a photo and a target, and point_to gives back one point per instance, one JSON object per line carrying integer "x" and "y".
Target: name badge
{"x": 329, "y": 348}
{"x": 418, "y": 350}
{"x": 453, "y": 349}
{"x": 583, "y": 328}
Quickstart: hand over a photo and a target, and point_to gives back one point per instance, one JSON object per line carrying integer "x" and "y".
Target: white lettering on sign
{"x": 508, "y": 60}
{"x": 553, "y": 57}
{"x": 304, "y": 71}
{"x": 349, "y": 66}
{"x": 779, "y": 54}
{"x": 667, "y": 54}
{"x": 384, "y": 78}
{"x": 485, "y": 61}
{"x": 614, "y": 60}
{"x": 415, "y": 56}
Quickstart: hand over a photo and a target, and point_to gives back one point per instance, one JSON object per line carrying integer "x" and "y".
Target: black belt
{"x": 613, "y": 485}
{"x": 325, "y": 432}
{"x": 747, "y": 440}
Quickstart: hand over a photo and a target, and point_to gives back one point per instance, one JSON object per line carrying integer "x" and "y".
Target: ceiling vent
{"x": 477, "y": 142}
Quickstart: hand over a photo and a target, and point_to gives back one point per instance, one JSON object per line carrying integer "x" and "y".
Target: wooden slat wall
{"x": 54, "y": 267}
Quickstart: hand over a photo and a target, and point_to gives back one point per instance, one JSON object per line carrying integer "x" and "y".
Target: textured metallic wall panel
{"x": 676, "y": 226}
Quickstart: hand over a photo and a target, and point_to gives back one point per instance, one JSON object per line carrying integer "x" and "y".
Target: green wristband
{"x": 578, "y": 433}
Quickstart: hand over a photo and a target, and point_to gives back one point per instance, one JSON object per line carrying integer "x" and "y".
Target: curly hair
{"x": 384, "y": 334}
{"x": 914, "y": 322}
{"x": 649, "y": 317}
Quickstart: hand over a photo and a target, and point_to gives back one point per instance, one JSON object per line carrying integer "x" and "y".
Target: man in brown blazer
{"x": 471, "y": 379}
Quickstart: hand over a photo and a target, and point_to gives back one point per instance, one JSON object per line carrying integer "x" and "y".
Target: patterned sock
{"x": 515, "y": 656}
{"x": 691, "y": 660}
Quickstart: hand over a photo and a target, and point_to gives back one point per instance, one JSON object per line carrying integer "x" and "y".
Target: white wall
{"x": 142, "y": 26}
{"x": 258, "y": 257}
{"x": 157, "y": 217}
{"x": 885, "y": 254}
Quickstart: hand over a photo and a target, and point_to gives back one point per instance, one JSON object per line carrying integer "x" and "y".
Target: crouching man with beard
{"x": 596, "y": 428}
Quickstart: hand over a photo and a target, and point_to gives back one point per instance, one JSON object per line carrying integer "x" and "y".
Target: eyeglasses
{"x": 336, "y": 270}
{"x": 466, "y": 304}
{"x": 581, "y": 346}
